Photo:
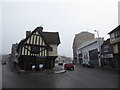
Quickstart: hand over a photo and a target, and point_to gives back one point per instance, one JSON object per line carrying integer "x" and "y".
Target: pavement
{"x": 105, "y": 68}
{"x": 56, "y": 70}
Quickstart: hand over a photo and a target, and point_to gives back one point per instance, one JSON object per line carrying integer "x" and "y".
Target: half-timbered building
{"x": 38, "y": 48}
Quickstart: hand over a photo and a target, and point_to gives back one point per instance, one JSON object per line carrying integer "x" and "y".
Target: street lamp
{"x": 99, "y": 55}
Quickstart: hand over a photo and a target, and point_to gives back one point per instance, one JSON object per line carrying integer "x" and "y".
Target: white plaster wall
{"x": 91, "y": 47}
{"x": 54, "y": 52}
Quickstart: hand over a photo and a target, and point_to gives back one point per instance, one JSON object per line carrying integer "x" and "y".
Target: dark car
{"x": 87, "y": 64}
{"x": 60, "y": 63}
{"x": 3, "y": 62}
{"x": 69, "y": 66}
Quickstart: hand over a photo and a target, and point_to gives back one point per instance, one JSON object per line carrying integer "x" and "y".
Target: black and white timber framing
{"x": 38, "y": 48}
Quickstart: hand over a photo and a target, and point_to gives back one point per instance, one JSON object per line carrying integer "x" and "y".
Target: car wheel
{"x": 73, "y": 68}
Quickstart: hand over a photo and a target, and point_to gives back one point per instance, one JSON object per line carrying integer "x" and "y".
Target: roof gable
{"x": 48, "y": 37}
{"x": 51, "y": 37}
{"x": 117, "y": 28}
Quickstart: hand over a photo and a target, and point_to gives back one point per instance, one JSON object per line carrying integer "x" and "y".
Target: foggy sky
{"x": 67, "y": 18}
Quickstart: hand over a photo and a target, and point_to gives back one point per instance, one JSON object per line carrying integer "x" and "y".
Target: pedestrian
{"x": 14, "y": 64}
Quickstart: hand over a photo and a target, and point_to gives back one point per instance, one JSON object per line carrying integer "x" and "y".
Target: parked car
{"x": 87, "y": 64}
{"x": 3, "y": 62}
{"x": 69, "y": 66}
{"x": 60, "y": 63}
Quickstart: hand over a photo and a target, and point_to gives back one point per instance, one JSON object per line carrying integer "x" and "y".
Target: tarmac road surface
{"x": 78, "y": 78}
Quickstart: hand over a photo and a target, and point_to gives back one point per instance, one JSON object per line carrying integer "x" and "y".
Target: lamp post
{"x": 99, "y": 54}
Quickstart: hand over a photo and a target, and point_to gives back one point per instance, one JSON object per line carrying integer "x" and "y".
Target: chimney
{"x": 40, "y": 29}
{"x": 28, "y": 33}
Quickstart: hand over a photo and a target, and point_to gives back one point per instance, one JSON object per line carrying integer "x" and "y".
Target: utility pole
{"x": 99, "y": 54}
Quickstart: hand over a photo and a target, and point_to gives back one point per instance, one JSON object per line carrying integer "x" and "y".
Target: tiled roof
{"x": 51, "y": 37}
{"x": 117, "y": 28}
{"x": 48, "y": 37}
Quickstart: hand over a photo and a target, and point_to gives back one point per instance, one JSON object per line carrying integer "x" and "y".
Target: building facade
{"x": 107, "y": 54}
{"x": 38, "y": 48}
{"x": 79, "y": 40}
{"x": 115, "y": 41}
{"x": 89, "y": 50}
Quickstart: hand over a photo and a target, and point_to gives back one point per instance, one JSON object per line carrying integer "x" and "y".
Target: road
{"x": 78, "y": 78}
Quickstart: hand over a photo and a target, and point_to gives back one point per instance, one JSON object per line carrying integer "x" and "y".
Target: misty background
{"x": 68, "y": 18}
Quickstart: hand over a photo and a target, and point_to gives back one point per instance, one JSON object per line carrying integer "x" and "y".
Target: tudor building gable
{"x": 38, "y": 43}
